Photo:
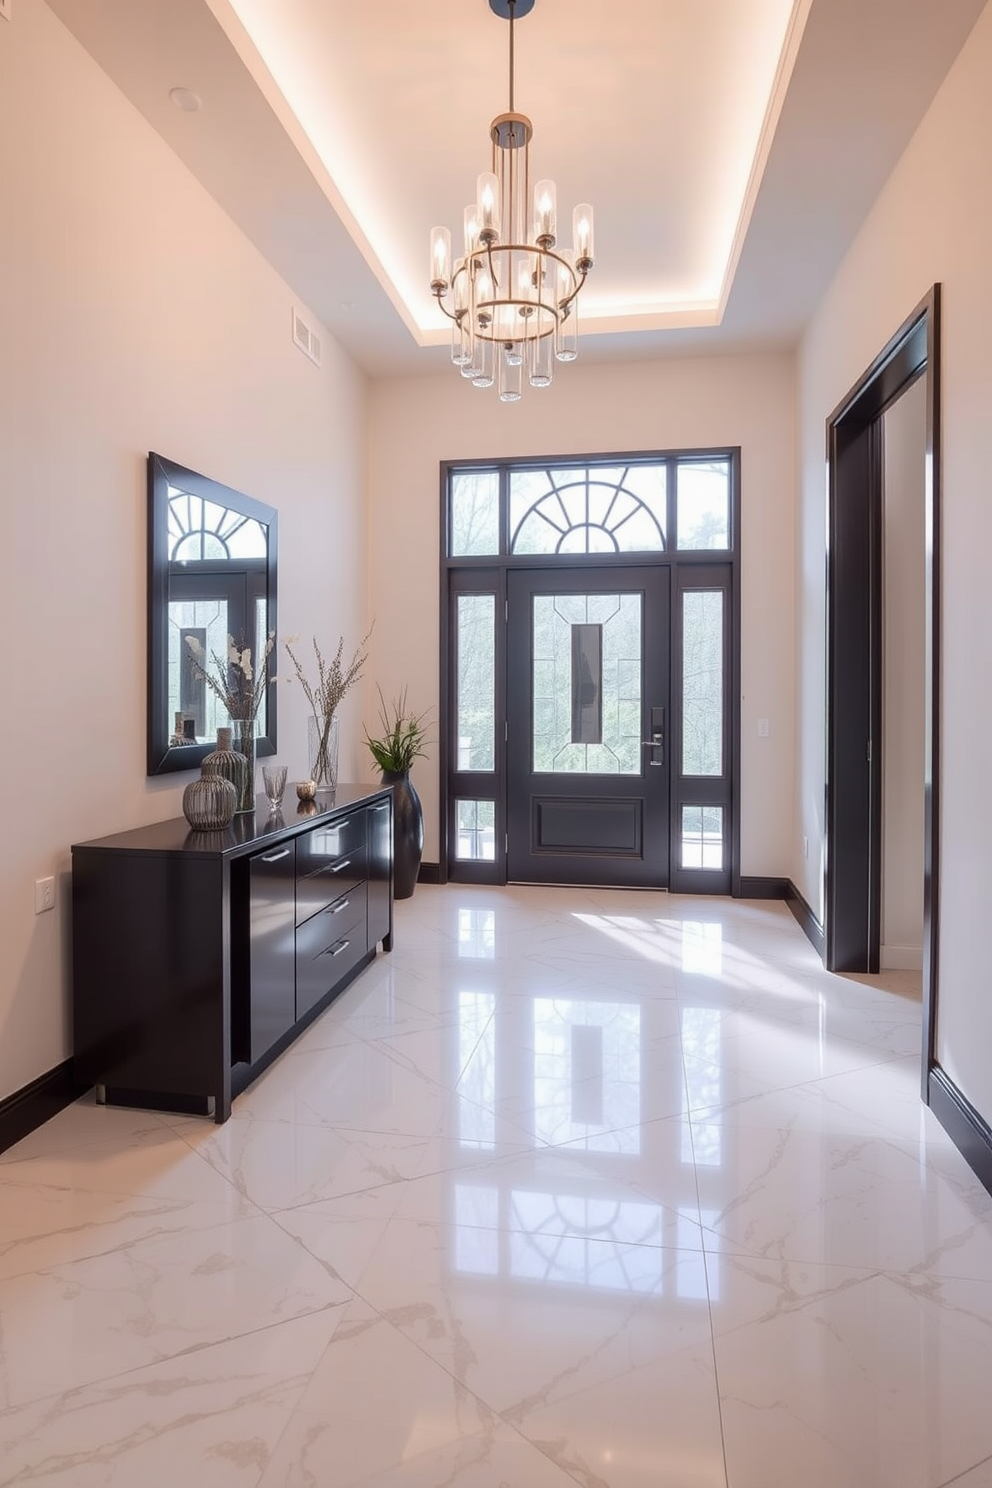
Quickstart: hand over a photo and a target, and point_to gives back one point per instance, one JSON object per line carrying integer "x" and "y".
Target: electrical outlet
{"x": 764, "y": 728}
{"x": 44, "y": 894}
{"x": 5, "y": 6}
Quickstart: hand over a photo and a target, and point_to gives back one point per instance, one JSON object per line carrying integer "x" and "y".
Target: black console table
{"x": 199, "y": 956}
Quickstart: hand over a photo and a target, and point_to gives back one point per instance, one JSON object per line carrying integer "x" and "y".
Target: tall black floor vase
{"x": 408, "y": 832}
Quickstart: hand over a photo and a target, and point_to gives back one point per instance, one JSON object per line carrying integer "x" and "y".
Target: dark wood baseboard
{"x": 36, "y": 1103}
{"x": 763, "y": 888}
{"x": 967, "y": 1129}
{"x": 430, "y": 873}
{"x": 809, "y": 924}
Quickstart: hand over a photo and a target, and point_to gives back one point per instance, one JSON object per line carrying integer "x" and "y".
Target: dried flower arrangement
{"x": 324, "y": 696}
{"x": 238, "y": 685}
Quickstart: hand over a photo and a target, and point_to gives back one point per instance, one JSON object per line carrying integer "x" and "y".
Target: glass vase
{"x": 244, "y": 735}
{"x": 323, "y": 740}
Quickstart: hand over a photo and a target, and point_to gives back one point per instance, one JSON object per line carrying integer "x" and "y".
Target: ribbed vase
{"x": 232, "y": 764}
{"x": 209, "y": 803}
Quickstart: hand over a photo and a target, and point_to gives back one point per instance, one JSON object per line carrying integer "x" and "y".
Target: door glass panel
{"x": 702, "y": 837}
{"x": 475, "y": 831}
{"x": 476, "y": 703}
{"x": 474, "y": 512}
{"x": 587, "y": 684}
{"x": 703, "y": 488}
{"x": 702, "y": 682}
{"x": 617, "y": 617}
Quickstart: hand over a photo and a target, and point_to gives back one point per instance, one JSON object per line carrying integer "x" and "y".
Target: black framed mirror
{"x": 211, "y": 574}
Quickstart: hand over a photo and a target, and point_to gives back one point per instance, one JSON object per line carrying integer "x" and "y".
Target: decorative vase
{"x": 229, "y": 763}
{"x": 244, "y": 735}
{"x": 323, "y": 740}
{"x": 209, "y": 803}
{"x": 408, "y": 832}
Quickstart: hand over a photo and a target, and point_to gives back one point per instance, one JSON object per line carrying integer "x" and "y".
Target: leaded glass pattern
{"x": 203, "y": 531}
{"x": 619, "y": 752}
{"x": 589, "y": 509}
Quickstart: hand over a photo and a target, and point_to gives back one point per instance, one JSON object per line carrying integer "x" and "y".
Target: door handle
{"x": 657, "y": 739}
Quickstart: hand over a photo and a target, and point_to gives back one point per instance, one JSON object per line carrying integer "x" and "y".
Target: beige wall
{"x": 414, "y": 424}
{"x": 133, "y": 316}
{"x": 932, "y": 222}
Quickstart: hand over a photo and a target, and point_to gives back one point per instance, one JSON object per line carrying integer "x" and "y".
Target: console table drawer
{"x": 329, "y": 844}
{"x": 328, "y": 946}
{"x": 321, "y": 888}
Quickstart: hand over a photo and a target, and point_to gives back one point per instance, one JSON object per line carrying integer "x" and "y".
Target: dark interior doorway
{"x": 852, "y": 897}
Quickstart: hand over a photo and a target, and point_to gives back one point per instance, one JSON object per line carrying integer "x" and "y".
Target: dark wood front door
{"x": 588, "y": 710}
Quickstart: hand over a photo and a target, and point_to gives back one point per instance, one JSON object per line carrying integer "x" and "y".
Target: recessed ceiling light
{"x": 185, "y": 100}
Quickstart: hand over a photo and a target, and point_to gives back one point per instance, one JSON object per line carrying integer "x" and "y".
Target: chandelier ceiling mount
{"x": 514, "y": 291}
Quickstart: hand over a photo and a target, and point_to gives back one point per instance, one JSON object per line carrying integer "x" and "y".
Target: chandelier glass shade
{"x": 513, "y": 291}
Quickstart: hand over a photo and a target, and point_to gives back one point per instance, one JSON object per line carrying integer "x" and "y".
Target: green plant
{"x": 403, "y": 736}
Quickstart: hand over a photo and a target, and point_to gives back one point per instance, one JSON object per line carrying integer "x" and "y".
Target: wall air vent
{"x": 307, "y": 340}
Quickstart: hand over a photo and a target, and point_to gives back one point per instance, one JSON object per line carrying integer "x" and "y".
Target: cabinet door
{"x": 380, "y": 880}
{"x": 272, "y": 948}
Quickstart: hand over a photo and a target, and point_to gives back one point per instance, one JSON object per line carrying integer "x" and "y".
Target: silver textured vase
{"x": 209, "y": 803}
{"x": 233, "y": 765}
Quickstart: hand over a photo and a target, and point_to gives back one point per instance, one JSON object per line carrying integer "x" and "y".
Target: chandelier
{"x": 514, "y": 292}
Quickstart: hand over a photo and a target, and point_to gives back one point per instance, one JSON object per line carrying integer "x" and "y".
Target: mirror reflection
{"x": 212, "y": 570}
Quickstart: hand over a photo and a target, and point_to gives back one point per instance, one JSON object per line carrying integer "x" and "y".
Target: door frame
{"x": 459, "y": 575}
{"x": 852, "y": 816}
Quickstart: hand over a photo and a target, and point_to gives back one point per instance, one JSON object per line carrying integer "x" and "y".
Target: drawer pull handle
{"x": 340, "y": 867}
{"x": 384, "y": 806}
{"x": 337, "y": 908}
{"x": 340, "y": 826}
{"x": 336, "y": 950}
{"x": 273, "y": 857}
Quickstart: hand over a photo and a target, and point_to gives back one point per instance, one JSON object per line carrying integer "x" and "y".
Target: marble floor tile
{"x": 211, "y": 1418}
{"x": 378, "y": 1413}
{"x": 837, "y": 1378}
{"x": 279, "y": 1164}
{"x": 575, "y": 1186}
{"x": 152, "y": 1300}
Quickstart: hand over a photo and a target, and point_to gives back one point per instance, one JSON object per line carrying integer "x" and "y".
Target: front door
{"x": 588, "y": 707}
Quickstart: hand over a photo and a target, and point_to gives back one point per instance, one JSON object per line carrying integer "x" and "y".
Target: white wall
{"x": 932, "y": 222}
{"x": 904, "y": 429}
{"x": 414, "y": 424}
{"x": 133, "y": 316}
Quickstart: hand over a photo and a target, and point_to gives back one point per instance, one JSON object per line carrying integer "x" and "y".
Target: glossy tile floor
{"x": 575, "y": 1187}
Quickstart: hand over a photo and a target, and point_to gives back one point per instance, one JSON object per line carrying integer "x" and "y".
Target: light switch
{"x": 764, "y": 728}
